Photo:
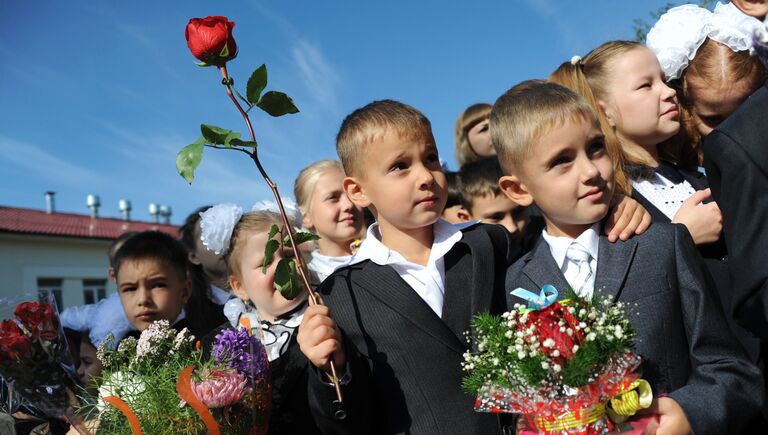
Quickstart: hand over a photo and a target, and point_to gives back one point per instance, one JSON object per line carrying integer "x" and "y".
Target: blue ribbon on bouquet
{"x": 546, "y": 296}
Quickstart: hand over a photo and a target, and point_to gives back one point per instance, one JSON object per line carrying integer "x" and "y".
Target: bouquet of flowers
{"x": 162, "y": 383}
{"x": 34, "y": 357}
{"x": 566, "y": 366}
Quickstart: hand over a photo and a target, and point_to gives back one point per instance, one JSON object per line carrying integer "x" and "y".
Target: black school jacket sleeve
{"x": 688, "y": 350}
{"x": 404, "y": 360}
{"x": 736, "y": 160}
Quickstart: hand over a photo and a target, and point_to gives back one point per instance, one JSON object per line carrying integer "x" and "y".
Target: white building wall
{"x": 25, "y": 258}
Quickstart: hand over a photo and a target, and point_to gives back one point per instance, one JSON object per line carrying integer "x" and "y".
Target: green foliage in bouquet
{"x": 564, "y": 343}
{"x": 231, "y": 383}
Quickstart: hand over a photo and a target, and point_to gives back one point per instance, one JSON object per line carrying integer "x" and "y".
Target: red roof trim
{"x": 29, "y": 221}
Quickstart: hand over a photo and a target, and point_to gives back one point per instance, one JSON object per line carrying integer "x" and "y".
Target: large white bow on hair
{"x": 679, "y": 33}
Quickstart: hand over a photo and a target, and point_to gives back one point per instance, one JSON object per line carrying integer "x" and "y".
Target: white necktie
{"x": 584, "y": 281}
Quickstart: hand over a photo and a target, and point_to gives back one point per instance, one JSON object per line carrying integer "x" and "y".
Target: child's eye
{"x": 432, "y": 158}
{"x": 645, "y": 85}
{"x": 560, "y": 160}
{"x": 399, "y": 166}
{"x": 159, "y": 284}
{"x": 597, "y": 148}
{"x": 127, "y": 289}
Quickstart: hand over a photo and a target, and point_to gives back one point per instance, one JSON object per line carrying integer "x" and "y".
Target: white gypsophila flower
{"x": 521, "y": 354}
{"x": 156, "y": 333}
{"x": 216, "y": 226}
{"x": 575, "y": 348}
{"x": 591, "y": 336}
{"x": 120, "y": 384}
{"x": 548, "y": 343}
{"x": 556, "y": 368}
{"x": 545, "y": 365}
{"x": 555, "y": 353}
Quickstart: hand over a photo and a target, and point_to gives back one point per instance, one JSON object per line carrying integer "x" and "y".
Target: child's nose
{"x": 668, "y": 93}
{"x": 427, "y": 177}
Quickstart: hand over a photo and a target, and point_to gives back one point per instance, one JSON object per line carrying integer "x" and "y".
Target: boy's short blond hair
{"x": 528, "y": 111}
{"x": 369, "y": 123}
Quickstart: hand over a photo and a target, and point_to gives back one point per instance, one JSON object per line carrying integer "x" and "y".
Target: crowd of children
{"x": 558, "y": 183}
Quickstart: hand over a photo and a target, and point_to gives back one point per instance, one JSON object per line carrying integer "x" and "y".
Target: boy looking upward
{"x": 553, "y": 153}
{"x": 407, "y": 297}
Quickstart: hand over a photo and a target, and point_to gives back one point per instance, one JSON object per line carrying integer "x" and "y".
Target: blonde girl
{"x": 640, "y": 117}
{"x": 471, "y": 135}
{"x": 327, "y": 212}
{"x": 265, "y": 313}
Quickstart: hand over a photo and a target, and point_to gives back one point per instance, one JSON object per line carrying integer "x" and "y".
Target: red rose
{"x": 14, "y": 343}
{"x": 547, "y": 326}
{"x": 39, "y": 319}
{"x": 210, "y": 39}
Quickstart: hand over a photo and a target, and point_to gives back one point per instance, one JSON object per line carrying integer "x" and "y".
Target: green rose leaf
{"x": 217, "y": 135}
{"x": 287, "y": 280}
{"x": 272, "y": 231}
{"x": 299, "y": 238}
{"x": 256, "y": 84}
{"x": 189, "y": 159}
{"x": 242, "y": 143}
{"x": 277, "y": 104}
{"x": 269, "y": 253}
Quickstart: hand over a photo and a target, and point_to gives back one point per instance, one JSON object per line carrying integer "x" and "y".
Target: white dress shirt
{"x": 558, "y": 247}
{"x": 428, "y": 282}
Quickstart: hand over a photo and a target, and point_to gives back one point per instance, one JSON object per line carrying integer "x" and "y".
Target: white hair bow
{"x": 217, "y": 224}
{"x": 679, "y": 33}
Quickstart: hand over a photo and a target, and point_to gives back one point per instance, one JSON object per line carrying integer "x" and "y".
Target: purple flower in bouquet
{"x": 221, "y": 388}
{"x": 241, "y": 351}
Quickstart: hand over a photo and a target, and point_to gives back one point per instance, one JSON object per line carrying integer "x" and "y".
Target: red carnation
{"x": 14, "y": 343}
{"x": 210, "y": 39}
{"x": 39, "y": 319}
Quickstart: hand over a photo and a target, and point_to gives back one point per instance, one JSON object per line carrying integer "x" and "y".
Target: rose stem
{"x": 300, "y": 260}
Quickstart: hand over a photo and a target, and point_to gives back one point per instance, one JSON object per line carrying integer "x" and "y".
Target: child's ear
{"x": 192, "y": 256}
{"x": 515, "y": 190}
{"x": 463, "y": 215}
{"x": 610, "y": 114}
{"x": 186, "y": 292}
{"x": 355, "y": 192}
{"x": 237, "y": 288}
{"x": 306, "y": 221}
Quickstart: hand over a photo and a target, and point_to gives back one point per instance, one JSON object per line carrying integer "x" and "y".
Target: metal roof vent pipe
{"x": 50, "y": 203}
{"x": 154, "y": 211}
{"x": 125, "y": 209}
{"x": 93, "y": 203}
{"x": 165, "y": 212}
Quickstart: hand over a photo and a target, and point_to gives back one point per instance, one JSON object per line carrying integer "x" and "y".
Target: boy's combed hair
{"x": 480, "y": 178}
{"x": 253, "y": 222}
{"x": 470, "y": 117}
{"x": 526, "y": 112}
{"x": 307, "y": 179}
{"x": 454, "y": 188}
{"x": 153, "y": 245}
{"x": 368, "y": 123}
{"x": 116, "y": 244}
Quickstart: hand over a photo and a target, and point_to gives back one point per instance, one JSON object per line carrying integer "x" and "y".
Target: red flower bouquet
{"x": 566, "y": 366}
{"x": 34, "y": 358}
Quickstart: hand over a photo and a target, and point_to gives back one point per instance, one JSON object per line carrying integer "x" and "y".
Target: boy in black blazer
{"x": 408, "y": 296}
{"x": 736, "y": 159}
{"x": 550, "y": 145}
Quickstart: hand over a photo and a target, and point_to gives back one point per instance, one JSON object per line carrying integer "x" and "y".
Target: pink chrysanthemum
{"x": 221, "y": 388}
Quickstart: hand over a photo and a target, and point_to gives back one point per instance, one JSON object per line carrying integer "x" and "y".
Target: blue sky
{"x": 99, "y": 96}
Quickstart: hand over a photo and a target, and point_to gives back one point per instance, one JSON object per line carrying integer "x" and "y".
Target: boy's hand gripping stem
{"x": 338, "y": 404}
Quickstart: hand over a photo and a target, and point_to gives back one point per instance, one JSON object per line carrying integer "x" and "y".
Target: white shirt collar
{"x": 558, "y": 246}
{"x": 446, "y": 235}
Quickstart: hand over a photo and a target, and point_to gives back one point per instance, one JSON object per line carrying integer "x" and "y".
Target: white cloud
{"x": 36, "y": 161}
{"x": 317, "y": 73}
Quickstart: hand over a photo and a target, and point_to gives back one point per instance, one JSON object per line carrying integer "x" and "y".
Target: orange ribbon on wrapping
{"x": 123, "y": 407}
{"x": 184, "y": 388}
